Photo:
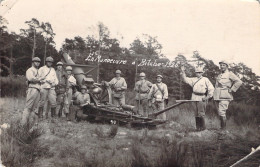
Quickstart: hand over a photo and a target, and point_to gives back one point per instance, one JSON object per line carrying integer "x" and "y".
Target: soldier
{"x": 71, "y": 81}
{"x": 142, "y": 87}
{"x": 81, "y": 98}
{"x": 118, "y": 86}
{"x": 33, "y": 91}
{"x": 158, "y": 95}
{"x": 226, "y": 84}
{"x": 202, "y": 91}
{"x": 60, "y": 89}
{"x": 49, "y": 81}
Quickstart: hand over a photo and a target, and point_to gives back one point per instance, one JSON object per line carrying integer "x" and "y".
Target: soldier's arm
{"x": 136, "y": 87}
{"x": 150, "y": 92}
{"x": 165, "y": 89}
{"x": 236, "y": 82}
{"x": 124, "y": 85}
{"x": 210, "y": 88}
{"x": 30, "y": 77}
{"x": 186, "y": 79}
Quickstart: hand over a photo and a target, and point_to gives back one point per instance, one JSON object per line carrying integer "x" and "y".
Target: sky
{"x": 218, "y": 29}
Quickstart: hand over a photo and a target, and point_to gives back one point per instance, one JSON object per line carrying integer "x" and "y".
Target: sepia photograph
{"x": 130, "y": 83}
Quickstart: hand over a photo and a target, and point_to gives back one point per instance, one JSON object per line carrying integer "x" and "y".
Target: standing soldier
{"x": 33, "y": 91}
{"x": 227, "y": 83}
{"x": 118, "y": 86}
{"x": 158, "y": 95}
{"x": 142, "y": 87}
{"x": 49, "y": 81}
{"x": 60, "y": 88}
{"x": 202, "y": 91}
{"x": 71, "y": 81}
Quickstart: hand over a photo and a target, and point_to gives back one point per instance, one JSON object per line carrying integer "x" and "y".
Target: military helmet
{"x": 83, "y": 87}
{"x": 159, "y": 76}
{"x": 68, "y": 68}
{"x": 224, "y": 62}
{"x": 59, "y": 63}
{"x": 118, "y": 72}
{"x": 36, "y": 59}
{"x": 96, "y": 90}
{"x": 49, "y": 59}
{"x": 142, "y": 74}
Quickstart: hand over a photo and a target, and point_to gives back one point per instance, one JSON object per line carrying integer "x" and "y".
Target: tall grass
{"x": 13, "y": 86}
{"x": 19, "y": 145}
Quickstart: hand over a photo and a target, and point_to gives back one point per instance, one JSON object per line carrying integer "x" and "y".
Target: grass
{"x": 97, "y": 145}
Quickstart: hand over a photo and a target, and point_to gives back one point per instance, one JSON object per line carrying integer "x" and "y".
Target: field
{"x": 175, "y": 144}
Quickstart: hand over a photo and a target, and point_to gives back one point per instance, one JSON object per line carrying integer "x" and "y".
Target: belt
{"x": 35, "y": 88}
{"x": 199, "y": 94}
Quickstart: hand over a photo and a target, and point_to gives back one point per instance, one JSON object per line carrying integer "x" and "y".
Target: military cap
{"x": 59, "y": 63}
{"x": 83, "y": 87}
{"x": 49, "y": 59}
{"x": 118, "y": 72}
{"x": 36, "y": 59}
{"x": 159, "y": 76}
{"x": 142, "y": 74}
{"x": 68, "y": 68}
{"x": 224, "y": 62}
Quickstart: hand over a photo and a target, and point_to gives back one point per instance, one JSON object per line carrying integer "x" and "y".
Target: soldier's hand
{"x": 166, "y": 101}
{"x": 205, "y": 98}
{"x": 230, "y": 90}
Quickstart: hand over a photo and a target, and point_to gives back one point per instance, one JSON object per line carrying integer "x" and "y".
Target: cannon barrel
{"x": 77, "y": 69}
{"x": 166, "y": 109}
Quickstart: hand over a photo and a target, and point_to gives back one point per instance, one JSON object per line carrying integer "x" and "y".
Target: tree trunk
{"x": 34, "y": 43}
{"x": 11, "y": 61}
{"x": 45, "y": 48}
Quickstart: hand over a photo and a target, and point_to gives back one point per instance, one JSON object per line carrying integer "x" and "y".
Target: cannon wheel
{"x": 106, "y": 93}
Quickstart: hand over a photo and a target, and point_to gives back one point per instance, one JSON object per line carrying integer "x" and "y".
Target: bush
{"x": 13, "y": 86}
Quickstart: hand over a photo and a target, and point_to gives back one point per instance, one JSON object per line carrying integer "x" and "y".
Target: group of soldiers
{"x": 55, "y": 88}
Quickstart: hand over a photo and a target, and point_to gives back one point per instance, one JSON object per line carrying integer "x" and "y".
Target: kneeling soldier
{"x": 202, "y": 91}
{"x": 158, "y": 95}
{"x": 33, "y": 91}
{"x": 142, "y": 87}
{"x": 81, "y": 98}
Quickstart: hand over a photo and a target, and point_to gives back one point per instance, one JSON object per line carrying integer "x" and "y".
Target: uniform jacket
{"x": 71, "y": 81}
{"x": 142, "y": 88}
{"x": 49, "y": 77}
{"x": 225, "y": 81}
{"x": 116, "y": 83}
{"x": 32, "y": 75}
{"x": 82, "y": 98}
{"x": 61, "y": 76}
{"x": 199, "y": 87}
{"x": 154, "y": 91}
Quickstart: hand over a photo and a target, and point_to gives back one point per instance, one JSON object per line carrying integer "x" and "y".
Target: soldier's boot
{"x": 53, "y": 110}
{"x": 198, "y": 123}
{"x": 223, "y": 121}
{"x": 203, "y": 124}
{"x": 40, "y": 113}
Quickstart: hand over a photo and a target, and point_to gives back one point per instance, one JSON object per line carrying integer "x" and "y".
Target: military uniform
{"x": 157, "y": 97}
{"x": 71, "y": 81}
{"x": 49, "y": 81}
{"x": 225, "y": 81}
{"x": 118, "y": 86}
{"x": 60, "y": 90}
{"x": 33, "y": 91}
{"x": 142, "y": 88}
{"x": 202, "y": 90}
{"x": 81, "y": 99}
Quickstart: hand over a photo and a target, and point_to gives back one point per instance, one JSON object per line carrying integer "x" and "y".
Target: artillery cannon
{"x": 101, "y": 106}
